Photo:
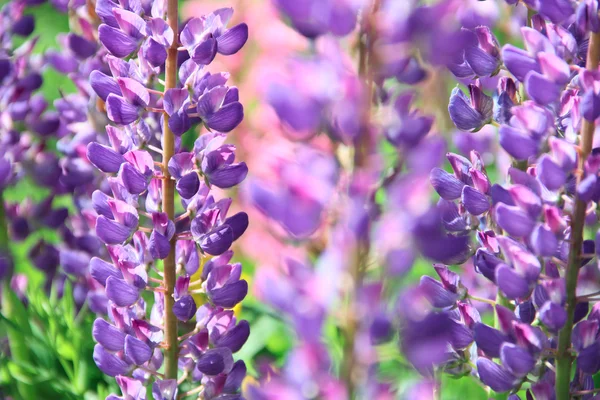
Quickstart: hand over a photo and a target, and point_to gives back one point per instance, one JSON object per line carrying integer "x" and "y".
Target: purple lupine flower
{"x": 175, "y": 101}
{"x": 220, "y": 108}
{"x": 411, "y": 127}
{"x": 522, "y": 138}
{"x": 130, "y": 218}
{"x": 315, "y": 18}
{"x": 470, "y": 113}
{"x": 494, "y": 376}
{"x": 204, "y": 37}
{"x": 481, "y": 55}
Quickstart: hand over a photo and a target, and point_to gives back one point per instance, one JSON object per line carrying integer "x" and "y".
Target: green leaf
{"x": 261, "y": 332}
{"x": 460, "y": 389}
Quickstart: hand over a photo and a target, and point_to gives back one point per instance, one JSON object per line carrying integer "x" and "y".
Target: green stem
{"x": 564, "y": 358}
{"x": 168, "y": 204}
{"x": 14, "y": 311}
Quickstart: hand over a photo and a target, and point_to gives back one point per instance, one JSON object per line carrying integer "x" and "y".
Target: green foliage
{"x": 270, "y": 337}
{"x": 50, "y": 353}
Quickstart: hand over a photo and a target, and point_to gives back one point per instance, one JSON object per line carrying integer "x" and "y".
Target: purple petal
{"x": 464, "y": 116}
{"x": 227, "y": 118}
{"x": 104, "y": 11}
{"x": 109, "y": 363}
{"x": 514, "y": 221}
{"x": 494, "y": 376}
{"x": 159, "y": 246}
{"x": 512, "y": 284}
{"x": 229, "y": 295}
{"x": 462, "y": 336}
{"x": 116, "y": 42}
{"x": 120, "y": 111}
{"x": 234, "y": 379}
{"x": 210, "y": 102}
{"x": 436, "y": 293}
{"x": 474, "y": 201}
{"x": 518, "y": 61}
{"x": 104, "y": 85}
{"x": 111, "y": 232}
{"x": 543, "y": 241}
{"x": 82, "y": 47}
{"x": 100, "y": 270}
{"x": 188, "y": 185}
{"x": 588, "y": 359}
{"x": 174, "y": 98}
{"x": 138, "y": 351}
{"x": 100, "y": 204}
{"x": 218, "y": 241}
{"x": 181, "y": 164}
{"x": 542, "y": 90}
{"x": 556, "y": 11}
{"x": 130, "y": 23}
{"x": 238, "y": 224}
{"x": 179, "y": 123}
{"x": 488, "y": 339}
{"x": 590, "y": 106}
{"x": 154, "y": 52}
{"x": 482, "y": 63}
{"x": 516, "y": 143}
{"x": 74, "y": 262}
{"x": 134, "y": 92}
{"x": 229, "y": 175}
{"x": 24, "y": 26}
{"x": 215, "y": 361}
{"x": 516, "y": 360}
{"x": 104, "y": 158}
{"x": 133, "y": 180}
{"x": 445, "y": 184}
{"x": 107, "y": 335}
{"x": 526, "y": 312}
{"x": 205, "y": 52}
{"x": 526, "y": 199}
{"x": 554, "y": 67}
{"x": 235, "y": 337}
{"x": 185, "y": 308}
{"x": 120, "y": 292}
{"x": 233, "y": 39}
{"x": 550, "y": 174}
{"x": 165, "y": 389}
{"x": 553, "y": 316}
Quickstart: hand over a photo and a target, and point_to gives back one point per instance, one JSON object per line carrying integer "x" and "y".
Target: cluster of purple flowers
{"x": 28, "y": 132}
{"x": 530, "y": 231}
{"x": 140, "y": 232}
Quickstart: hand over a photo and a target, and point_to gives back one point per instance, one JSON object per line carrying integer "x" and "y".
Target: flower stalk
{"x": 362, "y": 150}
{"x": 564, "y": 358}
{"x": 168, "y": 204}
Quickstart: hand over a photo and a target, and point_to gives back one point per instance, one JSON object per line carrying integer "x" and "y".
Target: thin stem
{"x": 481, "y": 299}
{"x": 158, "y": 92}
{"x": 197, "y": 390}
{"x": 584, "y": 392}
{"x": 151, "y": 372}
{"x": 588, "y": 297}
{"x": 168, "y": 205}
{"x": 362, "y": 150}
{"x": 563, "y": 358}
